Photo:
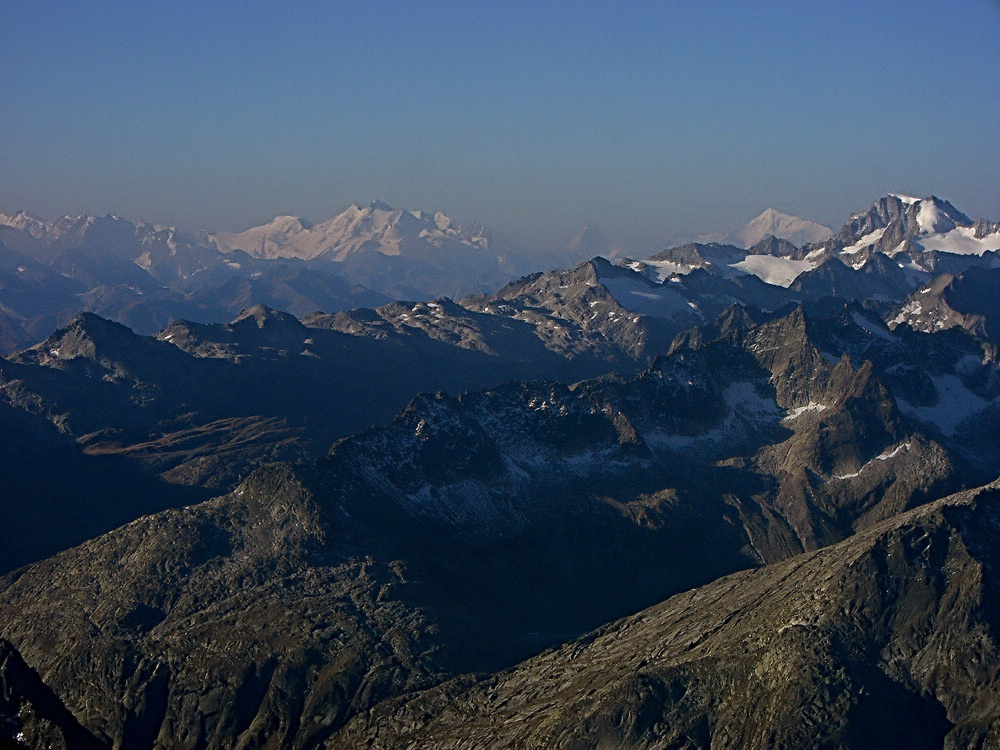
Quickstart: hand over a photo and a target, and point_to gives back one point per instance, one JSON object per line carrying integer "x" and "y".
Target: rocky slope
{"x": 968, "y": 300}
{"x": 887, "y": 639}
{"x": 30, "y": 714}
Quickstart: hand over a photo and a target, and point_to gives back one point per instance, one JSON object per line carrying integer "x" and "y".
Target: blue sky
{"x": 657, "y": 120}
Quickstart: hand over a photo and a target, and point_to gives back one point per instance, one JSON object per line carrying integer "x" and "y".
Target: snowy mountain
{"x": 773, "y": 223}
{"x": 924, "y": 237}
{"x": 376, "y": 227}
{"x": 396, "y": 252}
{"x": 146, "y": 275}
{"x": 916, "y": 232}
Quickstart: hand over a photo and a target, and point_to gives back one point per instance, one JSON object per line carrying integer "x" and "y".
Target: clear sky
{"x": 657, "y": 120}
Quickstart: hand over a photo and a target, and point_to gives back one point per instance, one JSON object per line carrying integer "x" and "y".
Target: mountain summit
{"x": 591, "y": 242}
{"x": 773, "y": 223}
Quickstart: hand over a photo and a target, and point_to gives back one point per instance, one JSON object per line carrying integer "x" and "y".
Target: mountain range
{"x": 146, "y": 276}
{"x": 721, "y": 496}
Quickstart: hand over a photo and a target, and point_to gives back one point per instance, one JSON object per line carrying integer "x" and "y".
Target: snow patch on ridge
{"x": 884, "y": 456}
{"x": 640, "y": 297}
{"x": 869, "y": 239}
{"x": 661, "y": 270}
{"x": 862, "y": 322}
{"x": 798, "y": 411}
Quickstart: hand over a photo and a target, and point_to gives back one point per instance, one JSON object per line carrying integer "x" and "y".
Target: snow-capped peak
{"x": 25, "y": 222}
{"x": 900, "y": 224}
{"x": 771, "y": 222}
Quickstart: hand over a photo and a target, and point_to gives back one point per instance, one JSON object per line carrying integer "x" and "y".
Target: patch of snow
{"x": 956, "y": 403}
{"x": 798, "y": 411}
{"x": 667, "y": 441}
{"x": 969, "y": 364}
{"x": 884, "y": 456}
{"x": 661, "y": 270}
{"x": 794, "y": 624}
{"x": 586, "y": 462}
{"x": 869, "y": 239}
{"x": 774, "y": 270}
{"x": 745, "y": 403}
{"x": 862, "y": 322}
{"x": 909, "y": 199}
{"x": 460, "y": 503}
{"x": 638, "y": 296}
{"x": 744, "y": 399}
{"x": 930, "y": 219}
{"x": 910, "y": 308}
{"x": 960, "y": 241}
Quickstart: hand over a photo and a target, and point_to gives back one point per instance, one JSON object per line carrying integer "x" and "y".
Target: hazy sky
{"x": 657, "y": 120}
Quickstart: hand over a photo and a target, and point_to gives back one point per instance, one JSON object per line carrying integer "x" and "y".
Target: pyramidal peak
{"x": 591, "y": 237}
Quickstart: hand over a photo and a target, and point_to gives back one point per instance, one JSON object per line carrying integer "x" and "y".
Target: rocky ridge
{"x": 887, "y": 638}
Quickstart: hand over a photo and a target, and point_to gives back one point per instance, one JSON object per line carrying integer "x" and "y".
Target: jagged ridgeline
{"x": 701, "y": 499}
{"x": 146, "y": 276}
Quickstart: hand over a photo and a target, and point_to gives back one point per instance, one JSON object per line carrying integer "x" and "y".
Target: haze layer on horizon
{"x": 656, "y": 120}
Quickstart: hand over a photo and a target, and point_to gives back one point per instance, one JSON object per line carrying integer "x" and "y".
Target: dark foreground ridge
{"x": 888, "y": 639}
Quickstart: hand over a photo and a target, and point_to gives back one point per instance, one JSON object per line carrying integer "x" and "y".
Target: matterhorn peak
{"x": 590, "y": 242}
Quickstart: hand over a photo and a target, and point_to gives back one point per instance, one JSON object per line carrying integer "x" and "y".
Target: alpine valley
{"x": 363, "y": 483}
